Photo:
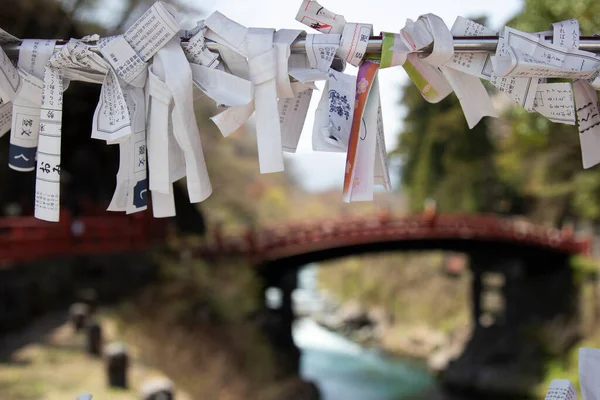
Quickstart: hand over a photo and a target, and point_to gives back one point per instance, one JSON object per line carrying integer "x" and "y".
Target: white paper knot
{"x": 263, "y": 67}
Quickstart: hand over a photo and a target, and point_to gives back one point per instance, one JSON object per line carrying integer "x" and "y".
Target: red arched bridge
{"x": 319, "y": 240}
{"x": 26, "y": 239}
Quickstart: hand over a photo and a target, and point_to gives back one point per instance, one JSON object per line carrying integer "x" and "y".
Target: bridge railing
{"x": 28, "y": 239}
{"x": 410, "y": 227}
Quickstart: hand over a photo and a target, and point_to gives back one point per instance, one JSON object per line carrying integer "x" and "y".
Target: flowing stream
{"x": 344, "y": 370}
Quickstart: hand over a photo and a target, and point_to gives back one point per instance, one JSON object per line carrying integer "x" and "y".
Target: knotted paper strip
{"x": 33, "y": 56}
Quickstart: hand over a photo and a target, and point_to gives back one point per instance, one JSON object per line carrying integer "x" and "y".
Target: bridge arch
{"x": 538, "y": 285}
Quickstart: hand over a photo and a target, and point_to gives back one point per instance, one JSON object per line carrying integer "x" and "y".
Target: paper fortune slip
{"x": 149, "y": 84}
{"x": 561, "y": 389}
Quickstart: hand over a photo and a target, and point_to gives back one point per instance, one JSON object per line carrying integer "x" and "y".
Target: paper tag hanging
{"x": 153, "y": 30}
{"x": 561, "y": 389}
{"x": 126, "y": 63}
{"x": 359, "y": 178}
{"x": 197, "y": 52}
{"x": 334, "y": 114}
{"x": 131, "y": 193}
{"x": 354, "y": 42}
{"x": 9, "y": 78}
{"x": 111, "y": 120}
{"x": 178, "y": 77}
{"x": 74, "y": 61}
{"x": 588, "y": 115}
{"x": 33, "y": 56}
{"x": 472, "y": 95}
{"x": 47, "y": 181}
{"x": 5, "y": 117}
{"x": 292, "y": 115}
{"x": 317, "y": 17}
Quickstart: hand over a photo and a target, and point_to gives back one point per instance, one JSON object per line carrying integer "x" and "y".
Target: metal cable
{"x": 475, "y": 44}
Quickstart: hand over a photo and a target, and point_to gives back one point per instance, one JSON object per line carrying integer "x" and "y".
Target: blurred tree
{"x": 541, "y": 159}
{"x": 86, "y": 13}
{"x": 445, "y": 160}
{"x": 522, "y": 164}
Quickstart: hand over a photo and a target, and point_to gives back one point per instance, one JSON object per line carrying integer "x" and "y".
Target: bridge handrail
{"x": 28, "y": 239}
{"x": 481, "y": 226}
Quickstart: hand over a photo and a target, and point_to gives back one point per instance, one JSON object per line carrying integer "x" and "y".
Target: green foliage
{"x": 445, "y": 160}
{"x": 584, "y": 268}
{"x": 537, "y": 15}
{"x": 546, "y": 157}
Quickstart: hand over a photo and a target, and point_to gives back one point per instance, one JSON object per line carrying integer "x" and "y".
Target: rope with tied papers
{"x": 148, "y": 75}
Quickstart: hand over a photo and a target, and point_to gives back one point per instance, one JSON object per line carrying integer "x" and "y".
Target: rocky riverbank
{"x": 377, "y": 328}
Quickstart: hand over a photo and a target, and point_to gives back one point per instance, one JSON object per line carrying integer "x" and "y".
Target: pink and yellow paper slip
{"x": 366, "y": 161}
{"x": 429, "y": 80}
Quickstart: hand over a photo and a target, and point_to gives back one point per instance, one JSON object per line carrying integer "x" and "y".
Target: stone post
{"x": 94, "y": 339}
{"x": 157, "y": 389}
{"x": 117, "y": 362}
{"x": 78, "y": 315}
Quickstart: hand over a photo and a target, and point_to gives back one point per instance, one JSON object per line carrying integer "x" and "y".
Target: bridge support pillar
{"x": 524, "y": 308}
{"x": 278, "y": 321}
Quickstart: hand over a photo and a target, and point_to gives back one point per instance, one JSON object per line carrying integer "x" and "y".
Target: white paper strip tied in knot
{"x": 530, "y": 56}
{"x": 282, "y": 41}
{"x": 262, "y": 63}
{"x": 555, "y": 101}
{"x": 121, "y": 111}
{"x": 430, "y": 29}
{"x": 74, "y": 61}
{"x": 9, "y": 83}
{"x": 131, "y": 192}
{"x": 522, "y": 58}
{"x": 166, "y": 164}
{"x": 33, "y": 56}
{"x": 353, "y": 45}
{"x": 520, "y": 90}
{"x": 294, "y": 98}
{"x": 231, "y": 40}
{"x": 472, "y": 95}
{"x": 9, "y": 77}
{"x": 197, "y": 52}
{"x": 424, "y": 72}
{"x": 291, "y": 111}
{"x": 354, "y": 36}
{"x": 171, "y": 66}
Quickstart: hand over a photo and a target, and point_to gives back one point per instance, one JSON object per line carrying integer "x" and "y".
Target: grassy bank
{"x": 199, "y": 325}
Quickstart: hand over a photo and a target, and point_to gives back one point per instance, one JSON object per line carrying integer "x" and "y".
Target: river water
{"x": 344, "y": 370}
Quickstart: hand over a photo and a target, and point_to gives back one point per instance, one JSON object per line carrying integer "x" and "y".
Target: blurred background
{"x": 199, "y": 307}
